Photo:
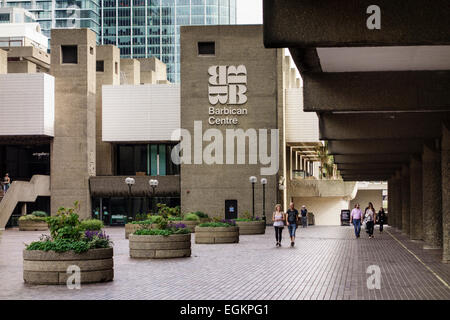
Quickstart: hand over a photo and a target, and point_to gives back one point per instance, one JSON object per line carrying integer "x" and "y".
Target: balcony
{"x": 27, "y": 105}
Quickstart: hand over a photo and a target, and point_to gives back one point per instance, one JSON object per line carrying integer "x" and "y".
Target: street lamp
{"x": 153, "y": 184}
{"x": 253, "y": 180}
{"x": 130, "y": 182}
{"x": 264, "y": 182}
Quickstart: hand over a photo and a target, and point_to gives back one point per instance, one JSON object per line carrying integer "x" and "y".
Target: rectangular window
{"x": 207, "y": 48}
{"x": 69, "y": 54}
{"x": 100, "y": 66}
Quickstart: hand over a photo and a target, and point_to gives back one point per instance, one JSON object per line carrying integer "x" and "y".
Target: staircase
{"x": 22, "y": 191}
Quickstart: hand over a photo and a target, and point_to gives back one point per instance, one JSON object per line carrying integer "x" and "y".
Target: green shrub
{"x": 161, "y": 232}
{"x": 39, "y": 213}
{"x": 151, "y": 220}
{"x": 201, "y": 214}
{"x": 167, "y": 211}
{"x": 215, "y": 224}
{"x": 175, "y": 218}
{"x": 92, "y": 224}
{"x": 191, "y": 217}
{"x": 32, "y": 217}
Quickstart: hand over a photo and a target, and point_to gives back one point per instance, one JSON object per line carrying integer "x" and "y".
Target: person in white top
{"x": 369, "y": 217}
{"x": 278, "y": 223}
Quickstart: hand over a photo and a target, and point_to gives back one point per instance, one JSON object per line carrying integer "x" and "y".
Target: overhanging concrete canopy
{"x": 377, "y": 91}
{"x": 359, "y": 126}
{"x": 371, "y": 158}
{"x": 370, "y": 166}
{"x": 409, "y": 146}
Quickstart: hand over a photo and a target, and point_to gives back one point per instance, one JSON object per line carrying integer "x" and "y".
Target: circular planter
{"x": 132, "y": 228}
{"x": 160, "y": 247}
{"x": 50, "y": 267}
{"x": 189, "y": 224}
{"x": 209, "y": 235}
{"x": 251, "y": 227}
{"x": 30, "y": 225}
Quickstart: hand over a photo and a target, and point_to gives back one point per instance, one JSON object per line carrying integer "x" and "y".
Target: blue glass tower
{"x": 145, "y": 28}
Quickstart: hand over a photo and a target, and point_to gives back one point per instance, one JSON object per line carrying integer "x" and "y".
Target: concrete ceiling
{"x": 370, "y": 59}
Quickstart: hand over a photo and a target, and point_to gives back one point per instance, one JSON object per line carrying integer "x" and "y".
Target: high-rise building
{"x": 145, "y": 28}
{"x": 53, "y": 14}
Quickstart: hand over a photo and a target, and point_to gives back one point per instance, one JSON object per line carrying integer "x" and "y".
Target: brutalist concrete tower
{"x": 73, "y": 62}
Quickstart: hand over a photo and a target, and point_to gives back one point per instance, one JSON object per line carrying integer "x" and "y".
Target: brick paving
{"x": 326, "y": 264}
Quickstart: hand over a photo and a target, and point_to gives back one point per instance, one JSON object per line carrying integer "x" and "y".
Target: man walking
{"x": 304, "y": 214}
{"x": 355, "y": 218}
{"x": 291, "y": 221}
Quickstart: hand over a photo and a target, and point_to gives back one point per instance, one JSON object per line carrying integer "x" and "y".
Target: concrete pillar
{"x": 416, "y": 208}
{"x": 24, "y": 209}
{"x": 398, "y": 200}
{"x": 390, "y": 208}
{"x": 446, "y": 193}
{"x": 405, "y": 200}
{"x": 73, "y": 148}
{"x": 130, "y": 71}
{"x": 110, "y": 55}
{"x": 432, "y": 198}
{"x": 3, "y": 62}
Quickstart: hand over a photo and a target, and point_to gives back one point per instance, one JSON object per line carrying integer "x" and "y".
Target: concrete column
{"x": 391, "y": 217}
{"x": 398, "y": 200}
{"x": 73, "y": 148}
{"x": 110, "y": 55}
{"x": 405, "y": 200}
{"x": 3, "y": 62}
{"x": 446, "y": 194}
{"x": 416, "y": 208}
{"x": 432, "y": 198}
{"x": 24, "y": 209}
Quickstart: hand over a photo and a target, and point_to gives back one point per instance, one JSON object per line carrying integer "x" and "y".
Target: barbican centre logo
{"x": 227, "y": 88}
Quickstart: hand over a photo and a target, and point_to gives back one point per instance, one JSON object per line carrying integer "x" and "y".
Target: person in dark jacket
{"x": 381, "y": 218}
{"x": 304, "y": 214}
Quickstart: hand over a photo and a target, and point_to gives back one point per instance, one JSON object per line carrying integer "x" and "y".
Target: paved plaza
{"x": 327, "y": 263}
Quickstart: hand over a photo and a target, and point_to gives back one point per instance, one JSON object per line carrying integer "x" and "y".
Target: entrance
{"x": 231, "y": 209}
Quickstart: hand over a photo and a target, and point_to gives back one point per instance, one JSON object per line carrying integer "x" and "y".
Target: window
{"x": 100, "y": 66}
{"x": 69, "y": 54}
{"x": 116, "y": 68}
{"x": 206, "y": 48}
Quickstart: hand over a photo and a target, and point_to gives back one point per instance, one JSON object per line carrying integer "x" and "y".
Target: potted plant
{"x": 69, "y": 244}
{"x": 164, "y": 242}
{"x": 223, "y": 231}
{"x": 36, "y": 221}
{"x": 150, "y": 222}
{"x": 249, "y": 225}
{"x": 202, "y": 216}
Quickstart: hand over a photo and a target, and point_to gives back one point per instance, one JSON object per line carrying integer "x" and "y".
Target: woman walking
{"x": 278, "y": 223}
{"x": 369, "y": 217}
{"x": 381, "y": 217}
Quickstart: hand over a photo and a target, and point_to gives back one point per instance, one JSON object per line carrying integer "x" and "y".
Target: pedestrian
{"x": 381, "y": 218}
{"x": 278, "y": 223}
{"x": 291, "y": 222}
{"x": 6, "y": 182}
{"x": 304, "y": 214}
{"x": 355, "y": 218}
{"x": 369, "y": 218}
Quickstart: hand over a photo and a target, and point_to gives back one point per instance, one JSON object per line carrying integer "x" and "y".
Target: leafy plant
{"x": 216, "y": 224}
{"x": 247, "y": 215}
{"x": 167, "y": 211}
{"x": 39, "y": 213}
{"x": 92, "y": 224}
{"x": 201, "y": 214}
{"x": 66, "y": 224}
{"x": 175, "y": 218}
{"x": 191, "y": 217}
{"x": 32, "y": 217}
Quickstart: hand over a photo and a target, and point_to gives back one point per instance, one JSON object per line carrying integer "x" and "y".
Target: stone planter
{"x": 132, "y": 228}
{"x": 160, "y": 247}
{"x": 30, "y": 225}
{"x": 209, "y": 235}
{"x": 189, "y": 224}
{"x": 50, "y": 267}
{"x": 251, "y": 227}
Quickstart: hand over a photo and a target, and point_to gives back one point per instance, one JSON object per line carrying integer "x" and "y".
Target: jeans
{"x": 357, "y": 225}
{"x": 292, "y": 228}
{"x": 5, "y": 187}
{"x": 278, "y": 233}
{"x": 304, "y": 222}
{"x": 369, "y": 226}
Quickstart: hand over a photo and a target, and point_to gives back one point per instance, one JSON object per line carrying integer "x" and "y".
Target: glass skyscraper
{"x": 145, "y": 28}
{"x": 61, "y": 13}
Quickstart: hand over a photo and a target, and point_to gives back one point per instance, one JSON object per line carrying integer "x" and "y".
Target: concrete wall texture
{"x": 363, "y": 197}
{"x": 327, "y": 210}
{"x": 206, "y": 187}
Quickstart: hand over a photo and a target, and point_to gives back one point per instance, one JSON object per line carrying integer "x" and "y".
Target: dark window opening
{"x": 69, "y": 54}
{"x": 206, "y": 48}
{"x": 116, "y": 67}
{"x": 100, "y": 66}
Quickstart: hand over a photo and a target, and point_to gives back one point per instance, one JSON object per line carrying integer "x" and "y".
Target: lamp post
{"x": 153, "y": 184}
{"x": 130, "y": 182}
{"x": 264, "y": 182}
{"x": 253, "y": 180}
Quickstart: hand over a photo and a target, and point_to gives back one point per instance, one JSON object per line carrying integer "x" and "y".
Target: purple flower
{"x": 229, "y": 221}
{"x": 257, "y": 219}
{"x": 90, "y": 235}
{"x": 177, "y": 226}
